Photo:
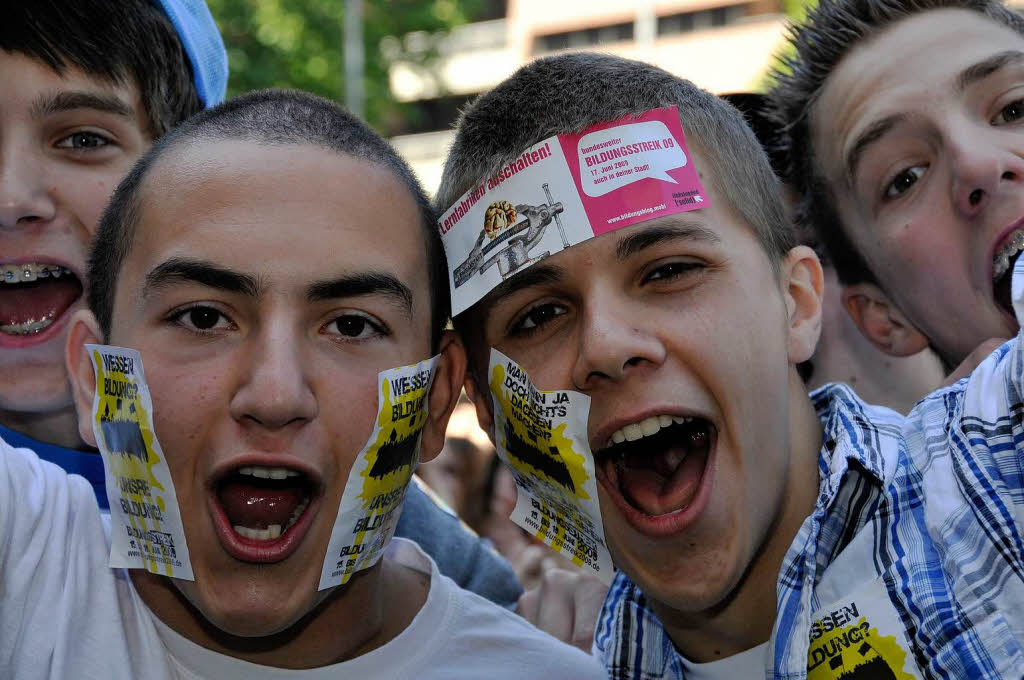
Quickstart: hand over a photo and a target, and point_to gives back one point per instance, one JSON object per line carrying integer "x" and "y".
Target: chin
{"x": 252, "y": 609}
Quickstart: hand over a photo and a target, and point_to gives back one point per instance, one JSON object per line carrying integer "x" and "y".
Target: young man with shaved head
{"x": 263, "y": 359}
{"x": 85, "y": 89}
{"x": 758, "y": 531}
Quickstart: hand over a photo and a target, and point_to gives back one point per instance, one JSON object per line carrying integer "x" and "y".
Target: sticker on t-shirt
{"x": 542, "y": 437}
{"x": 564, "y": 190}
{"x": 860, "y": 637}
{"x": 145, "y": 523}
{"x": 372, "y": 501}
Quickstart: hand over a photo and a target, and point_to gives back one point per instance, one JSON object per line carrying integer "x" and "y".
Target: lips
{"x": 33, "y": 297}
{"x": 656, "y": 471}
{"x": 262, "y": 513}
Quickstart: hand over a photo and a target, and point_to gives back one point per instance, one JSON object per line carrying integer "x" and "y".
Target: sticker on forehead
{"x": 145, "y": 523}
{"x": 565, "y": 190}
{"x": 542, "y": 437}
{"x": 372, "y": 501}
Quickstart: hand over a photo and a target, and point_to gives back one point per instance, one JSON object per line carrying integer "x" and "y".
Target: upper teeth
{"x": 645, "y": 428}
{"x": 267, "y": 472}
{"x": 30, "y": 271}
{"x": 1002, "y": 259}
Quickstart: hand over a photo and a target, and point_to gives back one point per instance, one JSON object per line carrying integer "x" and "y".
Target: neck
{"x": 746, "y": 617}
{"x": 349, "y": 621}
{"x": 53, "y": 427}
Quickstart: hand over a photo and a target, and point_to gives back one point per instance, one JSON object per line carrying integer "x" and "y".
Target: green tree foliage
{"x": 298, "y": 43}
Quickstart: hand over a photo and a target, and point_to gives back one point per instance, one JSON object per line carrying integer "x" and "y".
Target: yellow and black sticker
{"x": 372, "y": 501}
{"x": 860, "y": 638}
{"x": 146, "y": 528}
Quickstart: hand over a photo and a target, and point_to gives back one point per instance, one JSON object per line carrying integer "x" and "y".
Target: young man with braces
{"x": 264, "y": 362}
{"x": 85, "y": 88}
{"x": 758, "y": 532}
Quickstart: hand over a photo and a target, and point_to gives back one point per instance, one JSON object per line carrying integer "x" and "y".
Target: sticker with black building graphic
{"x": 542, "y": 437}
{"x": 375, "y": 491}
{"x": 146, "y": 529}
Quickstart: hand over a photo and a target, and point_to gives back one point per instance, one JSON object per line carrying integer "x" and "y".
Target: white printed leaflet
{"x": 542, "y": 437}
{"x": 611, "y": 175}
{"x": 145, "y": 523}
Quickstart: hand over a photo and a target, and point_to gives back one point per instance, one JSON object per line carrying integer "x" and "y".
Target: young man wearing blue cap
{"x": 85, "y": 89}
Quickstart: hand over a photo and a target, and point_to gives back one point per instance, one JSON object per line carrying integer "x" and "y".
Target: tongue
{"x": 256, "y": 506}
{"x": 658, "y": 487}
{"x": 44, "y": 299}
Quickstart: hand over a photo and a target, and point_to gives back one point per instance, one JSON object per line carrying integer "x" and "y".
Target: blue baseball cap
{"x": 202, "y": 42}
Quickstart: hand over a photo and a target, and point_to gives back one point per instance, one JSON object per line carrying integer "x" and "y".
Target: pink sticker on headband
{"x": 565, "y": 190}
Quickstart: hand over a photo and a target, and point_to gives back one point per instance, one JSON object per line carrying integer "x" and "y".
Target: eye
{"x": 1010, "y": 113}
{"x": 201, "y": 319}
{"x": 352, "y": 326}
{"x": 902, "y": 182}
{"x": 672, "y": 270}
{"x": 83, "y": 141}
{"x": 536, "y": 317}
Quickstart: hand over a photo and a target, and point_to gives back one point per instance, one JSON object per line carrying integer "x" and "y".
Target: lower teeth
{"x": 274, "y": 530}
{"x": 26, "y": 328}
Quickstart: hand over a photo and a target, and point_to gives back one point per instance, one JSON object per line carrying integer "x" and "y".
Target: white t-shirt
{"x": 749, "y": 663}
{"x": 65, "y": 614}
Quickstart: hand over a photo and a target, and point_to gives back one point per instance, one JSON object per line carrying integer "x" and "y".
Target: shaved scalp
{"x": 830, "y": 32}
{"x": 267, "y": 118}
{"x": 568, "y": 93}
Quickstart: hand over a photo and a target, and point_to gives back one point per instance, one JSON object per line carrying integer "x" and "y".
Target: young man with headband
{"x": 758, "y": 532}
{"x": 911, "y": 175}
{"x": 86, "y": 87}
{"x": 260, "y": 410}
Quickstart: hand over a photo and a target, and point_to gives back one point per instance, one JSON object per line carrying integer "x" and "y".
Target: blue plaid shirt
{"x": 930, "y": 508}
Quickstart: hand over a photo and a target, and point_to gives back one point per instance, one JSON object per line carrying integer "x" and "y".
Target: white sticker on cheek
{"x": 542, "y": 437}
{"x": 377, "y": 483}
{"x": 145, "y": 524}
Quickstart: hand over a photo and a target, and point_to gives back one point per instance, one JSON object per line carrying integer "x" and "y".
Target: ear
{"x": 84, "y": 330}
{"x": 481, "y": 398}
{"x": 444, "y": 395}
{"x": 880, "y": 321}
{"x": 803, "y": 288}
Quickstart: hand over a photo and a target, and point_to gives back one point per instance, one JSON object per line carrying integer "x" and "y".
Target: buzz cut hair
{"x": 830, "y": 31}
{"x": 266, "y": 118}
{"x": 571, "y": 92}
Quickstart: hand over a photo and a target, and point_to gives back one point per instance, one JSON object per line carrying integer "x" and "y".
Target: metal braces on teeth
{"x": 1002, "y": 259}
{"x": 24, "y": 273}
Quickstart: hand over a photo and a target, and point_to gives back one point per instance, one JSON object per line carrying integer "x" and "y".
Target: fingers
{"x": 566, "y": 605}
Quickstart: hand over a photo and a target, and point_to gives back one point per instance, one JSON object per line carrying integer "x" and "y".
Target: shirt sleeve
{"x": 460, "y": 554}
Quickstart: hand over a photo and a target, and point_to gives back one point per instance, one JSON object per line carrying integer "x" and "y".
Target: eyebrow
{"x": 874, "y": 132}
{"x": 49, "y": 104}
{"x": 987, "y": 67}
{"x": 656, "y": 234}
{"x": 363, "y": 283}
{"x": 538, "y": 274}
{"x": 182, "y": 270}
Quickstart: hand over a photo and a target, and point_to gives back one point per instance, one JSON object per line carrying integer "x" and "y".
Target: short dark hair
{"x": 570, "y": 92}
{"x": 267, "y": 117}
{"x": 118, "y": 41}
{"x": 829, "y": 33}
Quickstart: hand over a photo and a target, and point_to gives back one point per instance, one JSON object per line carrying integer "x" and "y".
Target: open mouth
{"x": 33, "y": 296}
{"x": 656, "y": 470}
{"x": 1002, "y": 270}
{"x": 263, "y": 512}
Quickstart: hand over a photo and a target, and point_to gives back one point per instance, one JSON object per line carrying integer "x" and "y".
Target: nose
{"x": 612, "y": 346}
{"x": 25, "y": 197}
{"x": 275, "y": 392}
{"x": 983, "y": 165}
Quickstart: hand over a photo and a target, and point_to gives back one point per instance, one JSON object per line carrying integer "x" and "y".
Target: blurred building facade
{"x": 722, "y": 45}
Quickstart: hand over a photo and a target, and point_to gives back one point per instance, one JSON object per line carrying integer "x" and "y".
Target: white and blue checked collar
{"x": 861, "y": 446}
